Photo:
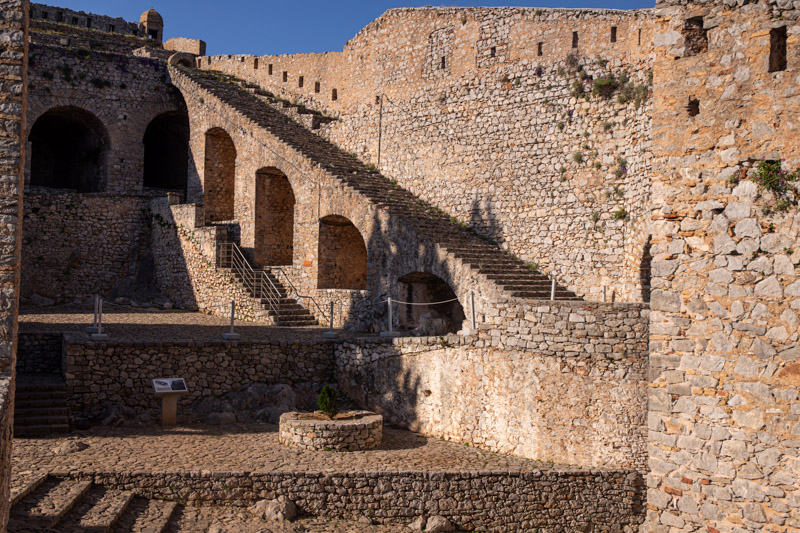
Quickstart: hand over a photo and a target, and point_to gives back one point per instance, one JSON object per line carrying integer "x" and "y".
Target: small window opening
{"x": 334, "y": 95}
{"x": 75, "y": 20}
{"x": 693, "y": 107}
{"x": 269, "y": 69}
{"x": 300, "y": 81}
{"x": 377, "y": 99}
{"x": 640, "y": 36}
{"x": 44, "y": 15}
{"x": 112, "y": 28}
{"x": 444, "y": 63}
{"x": 777, "y": 49}
{"x": 316, "y": 87}
{"x": 88, "y": 23}
{"x": 695, "y": 36}
{"x": 241, "y": 59}
{"x": 60, "y": 16}
{"x": 493, "y": 52}
{"x": 285, "y": 76}
{"x": 255, "y": 63}
{"x": 644, "y": 269}
{"x": 574, "y": 39}
{"x": 539, "y": 49}
{"x": 613, "y": 34}
{"x": 153, "y": 34}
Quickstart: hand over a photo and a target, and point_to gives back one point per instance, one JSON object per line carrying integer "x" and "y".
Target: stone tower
{"x": 152, "y": 25}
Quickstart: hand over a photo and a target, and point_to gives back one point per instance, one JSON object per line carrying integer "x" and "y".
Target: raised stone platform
{"x": 358, "y": 430}
{"x": 405, "y": 477}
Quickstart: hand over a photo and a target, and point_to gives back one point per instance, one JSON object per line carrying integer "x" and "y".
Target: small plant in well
{"x": 328, "y": 401}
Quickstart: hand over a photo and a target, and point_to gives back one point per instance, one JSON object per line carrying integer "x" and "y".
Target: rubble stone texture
{"x": 363, "y": 432}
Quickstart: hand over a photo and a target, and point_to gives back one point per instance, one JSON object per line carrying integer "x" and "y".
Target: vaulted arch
{"x": 443, "y": 314}
{"x": 342, "y": 255}
{"x": 219, "y": 180}
{"x": 166, "y": 151}
{"x": 274, "y": 228}
{"x": 69, "y": 150}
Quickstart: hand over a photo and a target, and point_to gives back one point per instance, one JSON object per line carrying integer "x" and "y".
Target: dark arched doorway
{"x": 166, "y": 151}
{"x": 69, "y": 149}
{"x": 274, "y": 234}
{"x": 220, "y": 175}
{"x": 644, "y": 270}
{"x": 435, "y": 319}
{"x": 342, "y": 255}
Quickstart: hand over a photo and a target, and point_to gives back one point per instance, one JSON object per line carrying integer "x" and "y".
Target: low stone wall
{"x": 119, "y": 374}
{"x": 362, "y": 433}
{"x": 575, "y": 407}
{"x": 573, "y": 500}
{"x": 565, "y": 328}
{"x": 39, "y": 353}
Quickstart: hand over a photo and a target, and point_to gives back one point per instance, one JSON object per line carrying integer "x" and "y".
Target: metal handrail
{"x": 298, "y": 295}
{"x": 260, "y": 285}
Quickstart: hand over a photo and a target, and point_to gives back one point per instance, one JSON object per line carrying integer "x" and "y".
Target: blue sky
{"x": 276, "y": 27}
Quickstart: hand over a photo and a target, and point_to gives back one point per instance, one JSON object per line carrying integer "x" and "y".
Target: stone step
{"x": 22, "y": 485}
{"x": 40, "y": 420}
{"x": 97, "y": 512}
{"x": 146, "y": 516}
{"x": 24, "y": 395}
{"x": 48, "y": 410}
{"x": 43, "y": 403}
{"x": 46, "y": 505}
{"x": 39, "y": 431}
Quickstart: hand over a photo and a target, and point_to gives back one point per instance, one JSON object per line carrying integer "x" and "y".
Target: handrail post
{"x": 472, "y": 308}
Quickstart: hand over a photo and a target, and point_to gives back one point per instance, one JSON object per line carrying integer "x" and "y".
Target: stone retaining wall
{"x": 582, "y": 401}
{"x": 39, "y": 353}
{"x": 119, "y": 374}
{"x": 574, "y": 500}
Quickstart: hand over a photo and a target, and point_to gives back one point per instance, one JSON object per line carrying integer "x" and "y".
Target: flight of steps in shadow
{"x": 289, "y": 311}
{"x": 40, "y": 405}
{"x": 510, "y": 276}
{"x": 66, "y": 505}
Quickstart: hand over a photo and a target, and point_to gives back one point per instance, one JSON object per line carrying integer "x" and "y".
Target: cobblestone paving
{"x": 128, "y": 323}
{"x": 246, "y": 448}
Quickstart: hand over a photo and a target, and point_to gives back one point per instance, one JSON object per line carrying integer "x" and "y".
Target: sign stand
{"x": 168, "y": 389}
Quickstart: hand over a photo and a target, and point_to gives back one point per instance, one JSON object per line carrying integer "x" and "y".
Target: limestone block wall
{"x": 477, "y": 113}
{"x": 77, "y": 245}
{"x": 185, "y": 259}
{"x": 724, "y": 330}
{"x": 106, "y": 374}
{"x": 39, "y": 353}
{"x": 81, "y": 19}
{"x": 124, "y": 93}
{"x": 582, "y": 405}
{"x": 13, "y": 106}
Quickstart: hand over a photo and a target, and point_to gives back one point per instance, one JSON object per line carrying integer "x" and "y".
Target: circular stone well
{"x": 349, "y": 431}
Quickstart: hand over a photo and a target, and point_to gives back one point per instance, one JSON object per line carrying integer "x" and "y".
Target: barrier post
{"x": 553, "y": 290}
{"x": 232, "y": 336}
{"x": 99, "y": 336}
{"x": 330, "y": 334}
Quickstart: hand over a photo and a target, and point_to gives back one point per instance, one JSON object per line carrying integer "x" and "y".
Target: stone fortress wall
{"x": 724, "y": 329}
{"x": 475, "y": 121}
{"x": 80, "y": 19}
{"x": 13, "y": 110}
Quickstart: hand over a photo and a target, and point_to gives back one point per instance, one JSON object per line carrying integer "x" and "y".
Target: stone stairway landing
{"x": 40, "y": 406}
{"x": 508, "y": 275}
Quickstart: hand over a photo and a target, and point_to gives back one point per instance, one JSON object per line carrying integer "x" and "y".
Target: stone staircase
{"x": 40, "y": 406}
{"x": 46, "y": 503}
{"x": 264, "y": 287}
{"x": 309, "y": 118}
{"x": 509, "y": 275}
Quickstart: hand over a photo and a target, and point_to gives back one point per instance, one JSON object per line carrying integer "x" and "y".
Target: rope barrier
{"x": 417, "y": 303}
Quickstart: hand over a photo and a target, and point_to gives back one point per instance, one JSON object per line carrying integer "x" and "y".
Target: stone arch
{"x": 219, "y": 180}
{"x": 342, "y": 255}
{"x": 437, "y": 319}
{"x": 274, "y": 227}
{"x": 166, "y": 151}
{"x": 69, "y": 150}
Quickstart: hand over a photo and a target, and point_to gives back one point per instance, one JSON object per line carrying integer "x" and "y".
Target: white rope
{"x": 426, "y": 303}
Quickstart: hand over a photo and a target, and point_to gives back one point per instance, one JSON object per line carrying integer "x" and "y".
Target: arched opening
{"x": 274, "y": 235}
{"x": 166, "y": 151}
{"x": 644, "y": 270}
{"x": 69, "y": 149}
{"x": 436, "y": 319}
{"x": 342, "y": 255}
{"x": 188, "y": 64}
{"x": 220, "y": 175}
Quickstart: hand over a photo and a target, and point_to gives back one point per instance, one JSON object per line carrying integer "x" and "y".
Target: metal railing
{"x": 297, "y": 294}
{"x": 256, "y": 282}
{"x": 259, "y": 281}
